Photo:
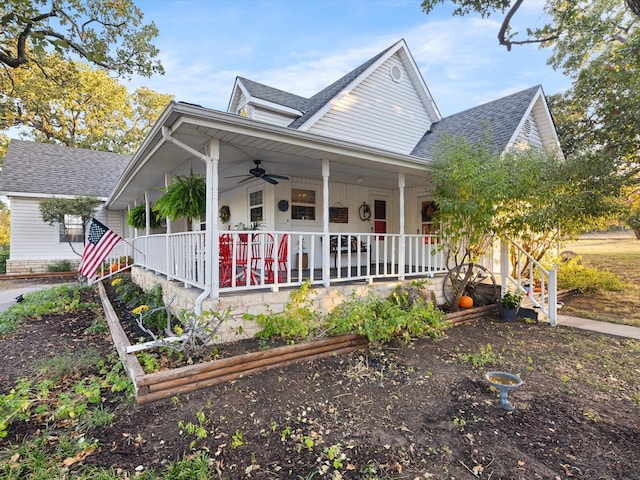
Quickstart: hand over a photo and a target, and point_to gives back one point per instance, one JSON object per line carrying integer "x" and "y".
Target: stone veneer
{"x": 256, "y": 302}
{"x": 33, "y": 266}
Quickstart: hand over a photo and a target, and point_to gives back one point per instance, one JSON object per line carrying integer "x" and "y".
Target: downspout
{"x": 212, "y": 240}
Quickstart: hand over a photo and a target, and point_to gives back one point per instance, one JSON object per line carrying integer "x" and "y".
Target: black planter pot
{"x": 508, "y": 314}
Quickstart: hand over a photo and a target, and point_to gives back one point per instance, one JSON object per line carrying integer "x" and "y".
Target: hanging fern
{"x": 184, "y": 198}
{"x": 137, "y": 217}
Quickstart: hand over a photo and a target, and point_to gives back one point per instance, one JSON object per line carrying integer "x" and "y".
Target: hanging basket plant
{"x": 137, "y": 217}
{"x": 184, "y": 198}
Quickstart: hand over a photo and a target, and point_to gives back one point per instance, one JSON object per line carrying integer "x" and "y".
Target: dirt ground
{"x": 420, "y": 410}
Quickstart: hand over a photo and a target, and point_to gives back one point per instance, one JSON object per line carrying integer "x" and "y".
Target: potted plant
{"x": 184, "y": 198}
{"x": 509, "y": 305}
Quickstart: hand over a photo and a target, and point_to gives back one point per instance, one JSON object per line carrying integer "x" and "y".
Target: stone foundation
{"x": 34, "y": 266}
{"x": 257, "y": 302}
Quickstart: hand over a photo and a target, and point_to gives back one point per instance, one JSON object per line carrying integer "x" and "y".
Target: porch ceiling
{"x": 283, "y": 151}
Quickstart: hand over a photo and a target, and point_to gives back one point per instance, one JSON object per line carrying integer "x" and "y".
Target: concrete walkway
{"x": 614, "y": 329}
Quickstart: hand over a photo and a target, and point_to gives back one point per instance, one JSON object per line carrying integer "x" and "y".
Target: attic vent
{"x": 396, "y": 73}
{"x": 527, "y": 127}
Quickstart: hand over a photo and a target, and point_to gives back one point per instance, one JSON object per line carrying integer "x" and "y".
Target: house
{"x": 34, "y": 171}
{"x": 337, "y": 182}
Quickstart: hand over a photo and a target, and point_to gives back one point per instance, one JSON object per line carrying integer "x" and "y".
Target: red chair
{"x": 283, "y": 259}
{"x": 261, "y": 258}
{"x": 241, "y": 252}
{"x": 229, "y": 249}
{"x": 226, "y": 262}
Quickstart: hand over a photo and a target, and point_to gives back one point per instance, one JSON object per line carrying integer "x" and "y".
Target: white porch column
{"x": 401, "y": 248}
{"x": 167, "y": 181}
{"x": 212, "y": 233}
{"x": 167, "y": 247}
{"x": 147, "y": 213}
{"x": 326, "y": 264}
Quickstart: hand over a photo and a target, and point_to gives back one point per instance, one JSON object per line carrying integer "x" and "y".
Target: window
{"x": 303, "y": 204}
{"x": 71, "y": 230}
{"x": 256, "y": 207}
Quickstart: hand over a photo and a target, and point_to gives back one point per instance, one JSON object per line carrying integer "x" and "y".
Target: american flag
{"x": 101, "y": 241}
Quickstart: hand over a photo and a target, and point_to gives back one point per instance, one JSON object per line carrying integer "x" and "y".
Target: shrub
{"x": 133, "y": 296}
{"x": 298, "y": 320}
{"x": 382, "y": 319}
{"x": 60, "y": 266}
{"x": 574, "y": 275}
{"x": 4, "y": 256}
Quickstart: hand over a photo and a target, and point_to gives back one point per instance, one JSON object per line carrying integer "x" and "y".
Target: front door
{"x": 380, "y": 252}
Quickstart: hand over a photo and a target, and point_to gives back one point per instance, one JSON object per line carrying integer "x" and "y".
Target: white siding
{"x": 31, "y": 238}
{"x": 238, "y": 99}
{"x": 269, "y": 116}
{"x": 378, "y": 112}
{"x": 533, "y": 138}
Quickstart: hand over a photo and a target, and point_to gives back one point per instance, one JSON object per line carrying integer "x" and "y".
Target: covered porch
{"x": 334, "y": 211}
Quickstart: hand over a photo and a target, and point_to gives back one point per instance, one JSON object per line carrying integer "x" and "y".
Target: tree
{"x": 53, "y": 211}
{"x": 82, "y": 107}
{"x": 531, "y": 195}
{"x": 108, "y": 34}
{"x": 597, "y": 44}
{"x": 5, "y": 222}
{"x": 466, "y": 182}
{"x": 567, "y": 17}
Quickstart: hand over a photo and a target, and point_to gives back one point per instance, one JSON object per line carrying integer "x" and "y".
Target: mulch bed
{"x": 403, "y": 411}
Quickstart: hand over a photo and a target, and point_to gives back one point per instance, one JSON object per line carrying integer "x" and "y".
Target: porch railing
{"x": 296, "y": 257}
{"x": 536, "y": 282}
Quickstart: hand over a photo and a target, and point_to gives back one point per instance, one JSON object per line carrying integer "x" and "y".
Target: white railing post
{"x": 504, "y": 264}
{"x": 553, "y": 296}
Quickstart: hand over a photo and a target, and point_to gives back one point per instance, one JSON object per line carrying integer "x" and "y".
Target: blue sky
{"x": 301, "y": 46}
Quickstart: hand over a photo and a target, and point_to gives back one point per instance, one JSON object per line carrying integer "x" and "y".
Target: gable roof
{"x": 499, "y": 118}
{"x": 46, "y": 169}
{"x": 320, "y": 102}
{"x": 320, "y": 99}
{"x": 272, "y": 95}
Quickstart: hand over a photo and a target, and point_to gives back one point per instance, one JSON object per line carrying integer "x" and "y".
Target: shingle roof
{"x": 274, "y": 95}
{"x": 499, "y": 118}
{"x": 321, "y": 98}
{"x": 47, "y": 169}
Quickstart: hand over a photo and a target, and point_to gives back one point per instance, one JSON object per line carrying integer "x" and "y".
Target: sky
{"x": 302, "y": 46}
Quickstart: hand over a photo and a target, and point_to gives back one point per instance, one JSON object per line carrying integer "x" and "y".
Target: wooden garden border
{"x": 167, "y": 383}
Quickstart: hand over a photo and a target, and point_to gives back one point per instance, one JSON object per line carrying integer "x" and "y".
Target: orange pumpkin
{"x": 465, "y": 301}
{"x": 114, "y": 267}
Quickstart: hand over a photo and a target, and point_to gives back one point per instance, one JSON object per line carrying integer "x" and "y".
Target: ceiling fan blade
{"x": 267, "y": 178}
{"x": 273, "y": 175}
{"x": 251, "y": 177}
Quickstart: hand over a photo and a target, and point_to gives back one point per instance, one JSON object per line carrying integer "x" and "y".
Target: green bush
{"x": 155, "y": 318}
{"x": 583, "y": 278}
{"x": 298, "y": 320}
{"x": 4, "y": 256}
{"x": 382, "y": 319}
{"x": 60, "y": 266}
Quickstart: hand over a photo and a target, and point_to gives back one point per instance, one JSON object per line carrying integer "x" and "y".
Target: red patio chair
{"x": 283, "y": 258}
{"x": 226, "y": 263}
{"x": 261, "y": 258}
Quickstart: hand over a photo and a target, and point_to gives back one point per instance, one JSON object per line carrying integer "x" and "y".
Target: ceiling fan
{"x": 259, "y": 172}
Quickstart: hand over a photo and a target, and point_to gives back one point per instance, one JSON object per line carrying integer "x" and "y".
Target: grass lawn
{"x": 618, "y": 254}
